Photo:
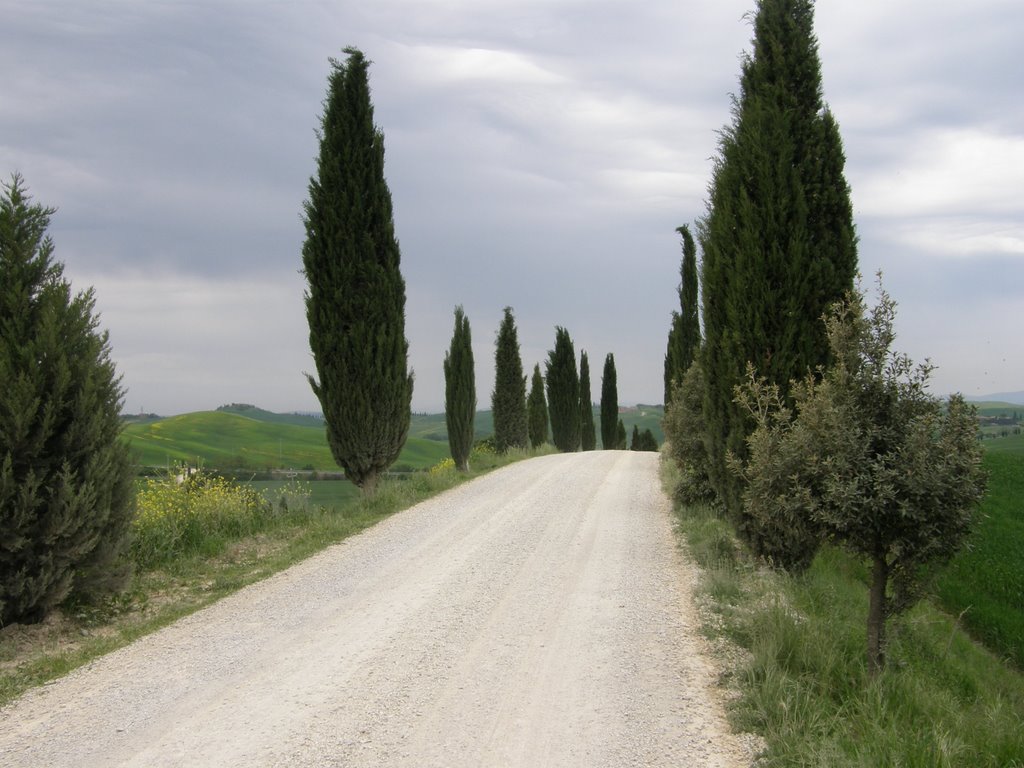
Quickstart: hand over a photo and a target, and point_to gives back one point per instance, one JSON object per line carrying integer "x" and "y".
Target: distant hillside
{"x": 999, "y": 408}
{"x": 252, "y": 412}
{"x": 432, "y": 426}
{"x": 243, "y": 436}
{"x": 1013, "y": 398}
{"x": 643, "y": 416}
{"x": 229, "y": 440}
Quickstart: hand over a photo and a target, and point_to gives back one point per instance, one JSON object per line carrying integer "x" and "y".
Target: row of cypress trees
{"x": 522, "y": 419}
{"x": 355, "y": 307}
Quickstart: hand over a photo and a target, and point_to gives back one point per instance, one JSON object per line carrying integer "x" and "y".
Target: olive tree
{"x": 868, "y": 459}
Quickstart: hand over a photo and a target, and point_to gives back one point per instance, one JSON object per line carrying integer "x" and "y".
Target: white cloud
{"x": 455, "y": 64}
{"x": 948, "y": 172}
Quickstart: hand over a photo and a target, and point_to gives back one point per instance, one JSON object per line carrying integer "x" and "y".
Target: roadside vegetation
{"x": 200, "y": 540}
{"x": 794, "y": 649}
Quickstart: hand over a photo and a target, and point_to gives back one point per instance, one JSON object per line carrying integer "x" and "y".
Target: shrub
{"x": 65, "y": 474}
{"x": 180, "y": 515}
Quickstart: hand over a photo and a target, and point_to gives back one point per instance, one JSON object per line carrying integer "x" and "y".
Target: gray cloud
{"x": 540, "y": 155}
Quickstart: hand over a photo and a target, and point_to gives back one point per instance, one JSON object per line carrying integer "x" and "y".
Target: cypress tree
{"x": 355, "y": 300}
{"x": 563, "y": 383}
{"x": 635, "y": 443}
{"x": 460, "y": 392}
{"x": 508, "y": 401}
{"x": 66, "y": 478}
{"x": 778, "y": 238}
{"x": 685, "y": 436}
{"x": 538, "y": 410}
{"x": 648, "y": 442}
{"x": 588, "y": 436}
{"x": 620, "y": 436}
{"x": 684, "y": 335}
{"x": 609, "y": 404}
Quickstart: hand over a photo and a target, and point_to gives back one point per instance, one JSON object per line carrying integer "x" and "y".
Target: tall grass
{"x": 181, "y": 516}
{"x": 803, "y": 685}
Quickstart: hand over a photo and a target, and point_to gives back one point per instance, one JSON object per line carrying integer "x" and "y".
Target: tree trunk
{"x": 369, "y": 484}
{"x": 877, "y": 615}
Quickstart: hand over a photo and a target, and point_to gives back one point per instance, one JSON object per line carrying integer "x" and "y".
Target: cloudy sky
{"x": 540, "y": 154}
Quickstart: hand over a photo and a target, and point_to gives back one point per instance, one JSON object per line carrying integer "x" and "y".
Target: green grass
{"x": 986, "y": 581}
{"x": 322, "y": 493}
{"x": 1009, "y": 444}
{"x": 230, "y": 440}
{"x": 943, "y": 700}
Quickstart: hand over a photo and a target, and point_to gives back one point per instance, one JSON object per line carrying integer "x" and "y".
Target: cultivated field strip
{"x": 539, "y": 615}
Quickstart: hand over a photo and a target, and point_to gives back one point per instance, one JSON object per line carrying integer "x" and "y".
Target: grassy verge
{"x": 178, "y": 585}
{"x": 798, "y": 646}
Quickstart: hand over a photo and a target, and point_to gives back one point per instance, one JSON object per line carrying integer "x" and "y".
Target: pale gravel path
{"x": 538, "y": 616}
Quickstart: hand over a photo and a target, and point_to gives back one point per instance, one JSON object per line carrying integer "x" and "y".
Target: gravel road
{"x": 538, "y": 616}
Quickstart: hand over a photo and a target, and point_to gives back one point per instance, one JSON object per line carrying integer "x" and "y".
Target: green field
{"x": 230, "y": 440}
{"x": 1009, "y": 444}
{"x": 985, "y": 582}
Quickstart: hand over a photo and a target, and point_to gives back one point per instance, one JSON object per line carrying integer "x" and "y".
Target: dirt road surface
{"x": 538, "y": 616}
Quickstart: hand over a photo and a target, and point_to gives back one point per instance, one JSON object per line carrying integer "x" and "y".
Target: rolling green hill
{"x": 225, "y": 439}
{"x": 643, "y": 416}
{"x": 252, "y": 412}
{"x": 240, "y": 436}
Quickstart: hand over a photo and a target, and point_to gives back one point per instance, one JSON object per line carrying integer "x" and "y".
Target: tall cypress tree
{"x": 684, "y": 335}
{"x": 460, "y": 392}
{"x": 609, "y": 405}
{"x": 778, "y": 237}
{"x": 508, "y": 401}
{"x": 563, "y": 384}
{"x": 355, "y": 300}
{"x": 67, "y": 493}
{"x": 537, "y": 407}
{"x": 588, "y": 435}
